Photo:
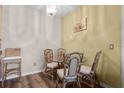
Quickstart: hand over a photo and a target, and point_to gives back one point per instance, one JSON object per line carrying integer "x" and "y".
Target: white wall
{"x": 32, "y": 31}
{"x": 122, "y": 43}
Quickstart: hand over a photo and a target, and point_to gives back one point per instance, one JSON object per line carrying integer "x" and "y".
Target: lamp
{"x": 51, "y": 10}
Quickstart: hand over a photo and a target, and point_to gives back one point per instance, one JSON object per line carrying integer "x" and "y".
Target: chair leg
{"x": 78, "y": 82}
{"x": 74, "y": 84}
{"x": 64, "y": 84}
{"x": 92, "y": 83}
{"x": 57, "y": 82}
{"x": 52, "y": 74}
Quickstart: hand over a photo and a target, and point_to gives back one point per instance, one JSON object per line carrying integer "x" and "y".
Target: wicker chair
{"x": 51, "y": 65}
{"x": 69, "y": 73}
{"x": 87, "y": 75}
{"x": 61, "y": 56}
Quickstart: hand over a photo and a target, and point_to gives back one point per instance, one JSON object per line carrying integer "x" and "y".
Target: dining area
{"x": 67, "y": 68}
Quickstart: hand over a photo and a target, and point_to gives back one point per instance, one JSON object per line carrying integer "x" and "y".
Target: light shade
{"x": 51, "y": 9}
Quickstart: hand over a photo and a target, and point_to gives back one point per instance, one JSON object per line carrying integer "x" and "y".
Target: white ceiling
{"x": 62, "y": 10}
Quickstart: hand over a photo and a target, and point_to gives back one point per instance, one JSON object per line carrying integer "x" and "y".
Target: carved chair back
{"x": 61, "y": 54}
{"x": 48, "y": 54}
{"x": 74, "y": 59}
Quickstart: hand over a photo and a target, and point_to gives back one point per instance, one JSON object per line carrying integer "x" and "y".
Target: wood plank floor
{"x": 39, "y": 80}
{"x": 31, "y": 81}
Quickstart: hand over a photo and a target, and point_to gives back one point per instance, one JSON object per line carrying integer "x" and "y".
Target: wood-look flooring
{"x": 39, "y": 80}
{"x": 31, "y": 81}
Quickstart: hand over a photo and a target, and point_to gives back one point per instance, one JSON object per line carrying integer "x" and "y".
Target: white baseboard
{"x": 25, "y": 74}
{"x": 30, "y": 73}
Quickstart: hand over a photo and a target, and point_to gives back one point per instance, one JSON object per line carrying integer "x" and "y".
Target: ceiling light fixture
{"x": 51, "y": 10}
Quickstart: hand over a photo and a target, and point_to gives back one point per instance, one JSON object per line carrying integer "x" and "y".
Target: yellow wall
{"x": 104, "y": 28}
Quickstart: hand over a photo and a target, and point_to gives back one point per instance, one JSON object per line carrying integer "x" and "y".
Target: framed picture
{"x": 82, "y": 25}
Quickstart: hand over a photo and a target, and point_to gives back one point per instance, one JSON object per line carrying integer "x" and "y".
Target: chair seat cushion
{"x": 52, "y": 65}
{"x": 85, "y": 69}
{"x": 60, "y": 73}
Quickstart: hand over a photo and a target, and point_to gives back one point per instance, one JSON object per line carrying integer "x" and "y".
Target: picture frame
{"x": 82, "y": 25}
